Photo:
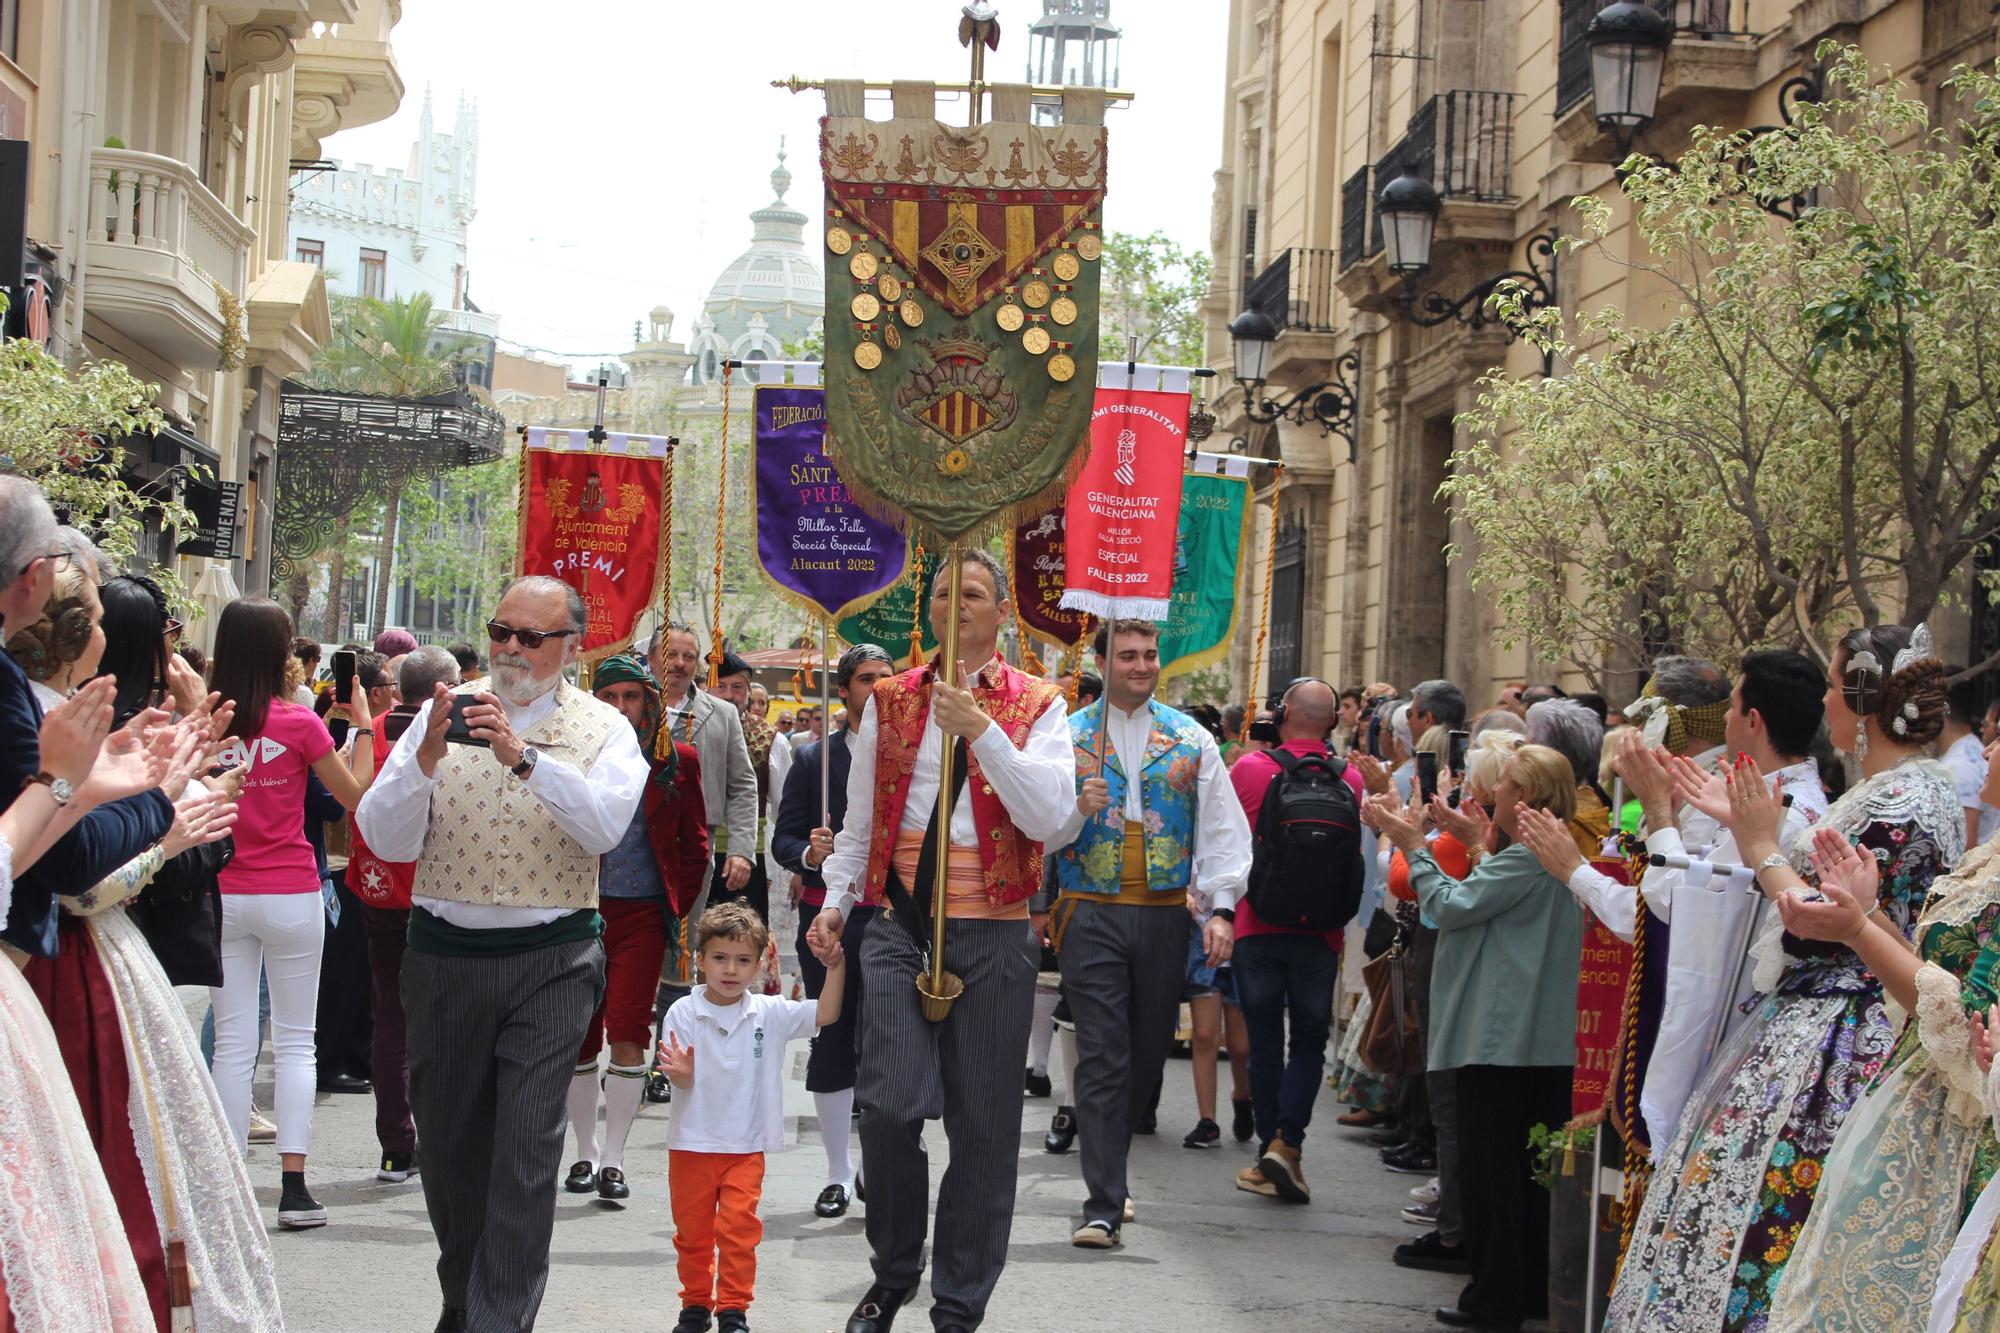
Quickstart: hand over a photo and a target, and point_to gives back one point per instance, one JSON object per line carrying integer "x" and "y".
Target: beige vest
{"x": 491, "y": 840}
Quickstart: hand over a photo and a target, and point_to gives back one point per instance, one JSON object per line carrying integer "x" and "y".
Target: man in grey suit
{"x": 715, "y": 729}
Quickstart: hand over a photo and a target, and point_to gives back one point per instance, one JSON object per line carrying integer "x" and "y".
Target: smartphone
{"x": 1460, "y": 741}
{"x": 460, "y": 732}
{"x": 1427, "y": 775}
{"x": 343, "y": 676}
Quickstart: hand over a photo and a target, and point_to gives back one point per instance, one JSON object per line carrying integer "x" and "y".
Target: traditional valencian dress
{"x": 1732, "y": 1192}
{"x": 65, "y": 1265}
{"x": 1919, "y": 1148}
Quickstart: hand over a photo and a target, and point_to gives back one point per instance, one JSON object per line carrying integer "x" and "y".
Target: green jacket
{"x": 1503, "y": 982}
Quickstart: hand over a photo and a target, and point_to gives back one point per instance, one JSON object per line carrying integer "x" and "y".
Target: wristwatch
{"x": 529, "y": 754}
{"x": 1771, "y": 862}
{"x": 1226, "y": 913}
{"x": 59, "y": 789}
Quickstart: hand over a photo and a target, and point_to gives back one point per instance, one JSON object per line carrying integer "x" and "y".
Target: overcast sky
{"x": 623, "y": 143}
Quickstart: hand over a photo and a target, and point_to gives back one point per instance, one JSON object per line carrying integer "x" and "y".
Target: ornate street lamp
{"x": 1628, "y": 44}
{"x": 1408, "y": 207}
{"x": 1330, "y": 402}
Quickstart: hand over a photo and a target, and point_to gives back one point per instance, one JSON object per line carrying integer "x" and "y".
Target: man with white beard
{"x": 504, "y": 966}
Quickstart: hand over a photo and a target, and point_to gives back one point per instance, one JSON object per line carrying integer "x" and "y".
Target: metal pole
{"x": 947, "y": 747}
{"x": 1590, "y": 1247}
{"x": 825, "y": 725}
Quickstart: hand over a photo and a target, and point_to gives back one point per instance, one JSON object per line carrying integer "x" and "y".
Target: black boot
{"x": 1062, "y": 1131}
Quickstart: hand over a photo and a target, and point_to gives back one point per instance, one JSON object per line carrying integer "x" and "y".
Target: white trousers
{"x": 281, "y": 935}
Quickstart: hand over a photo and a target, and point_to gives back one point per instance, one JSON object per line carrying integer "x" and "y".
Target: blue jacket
{"x": 102, "y": 840}
{"x": 798, "y": 810}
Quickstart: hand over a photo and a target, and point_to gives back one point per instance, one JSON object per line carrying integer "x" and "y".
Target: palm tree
{"x": 396, "y": 348}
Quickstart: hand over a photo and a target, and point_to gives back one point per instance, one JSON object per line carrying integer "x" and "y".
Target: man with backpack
{"x": 1305, "y": 885}
{"x": 1155, "y": 839}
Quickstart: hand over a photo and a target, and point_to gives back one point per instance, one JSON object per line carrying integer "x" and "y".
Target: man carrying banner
{"x": 1157, "y": 835}
{"x": 715, "y": 729}
{"x": 654, "y": 873}
{"x": 802, "y": 844}
{"x": 1016, "y": 774}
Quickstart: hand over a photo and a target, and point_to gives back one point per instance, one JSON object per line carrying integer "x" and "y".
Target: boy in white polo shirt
{"x": 725, "y": 1120}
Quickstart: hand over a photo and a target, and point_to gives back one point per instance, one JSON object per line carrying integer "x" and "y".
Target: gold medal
{"x": 865, "y": 307}
{"x": 1089, "y": 246}
{"x": 867, "y": 355}
{"x": 893, "y": 336}
{"x": 891, "y": 287}
{"x": 1010, "y": 317}
{"x": 1063, "y": 311}
{"x": 1065, "y": 266}
{"x": 1061, "y": 368}
{"x": 1036, "y": 340}
{"x": 862, "y": 265}
{"x": 913, "y": 314}
{"x": 839, "y": 240}
{"x": 954, "y": 462}
{"x": 1036, "y": 293}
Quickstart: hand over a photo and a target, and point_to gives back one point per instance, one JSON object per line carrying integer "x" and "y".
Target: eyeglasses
{"x": 530, "y": 639}
{"x": 174, "y": 628}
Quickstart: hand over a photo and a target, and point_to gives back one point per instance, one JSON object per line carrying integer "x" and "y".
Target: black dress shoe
{"x": 581, "y": 1179}
{"x": 611, "y": 1185}
{"x": 658, "y": 1091}
{"x": 1457, "y": 1318}
{"x": 1429, "y": 1252}
{"x": 451, "y": 1321}
{"x": 344, "y": 1083}
{"x": 1062, "y": 1131}
{"x": 1411, "y": 1159}
{"x": 1039, "y": 1084}
{"x": 832, "y": 1201}
{"x": 877, "y": 1311}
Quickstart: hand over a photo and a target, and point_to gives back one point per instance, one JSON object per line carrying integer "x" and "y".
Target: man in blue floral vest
{"x": 1157, "y": 839}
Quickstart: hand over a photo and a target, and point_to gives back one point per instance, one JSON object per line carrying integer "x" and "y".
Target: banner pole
{"x": 1590, "y": 1247}
{"x": 721, "y": 515}
{"x": 936, "y": 999}
{"x": 825, "y": 724}
{"x": 1264, "y": 614}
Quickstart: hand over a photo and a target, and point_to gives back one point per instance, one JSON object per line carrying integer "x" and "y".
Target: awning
{"x": 176, "y": 448}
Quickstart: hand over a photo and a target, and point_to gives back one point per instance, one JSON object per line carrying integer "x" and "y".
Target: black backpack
{"x": 1306, "y": 871}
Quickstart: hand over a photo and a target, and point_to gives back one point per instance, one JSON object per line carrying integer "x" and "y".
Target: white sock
{"x": 835, "y": 1111}
{"x": 1043, "y": 1033}
{"x": 1069, "y": 1065}
{"x": 624, "y": 1086}
{"x": 583, "y": 1111}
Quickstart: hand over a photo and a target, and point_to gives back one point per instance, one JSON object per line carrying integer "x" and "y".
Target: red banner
{"x": 1601, "y": 983}
{"x": 1124, "y": 509}
{"x": 1039, "y": 552}
{"x": 593, "y": 519}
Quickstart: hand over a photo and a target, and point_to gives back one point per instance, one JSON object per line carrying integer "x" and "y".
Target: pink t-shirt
{"x": 272, "y": 854}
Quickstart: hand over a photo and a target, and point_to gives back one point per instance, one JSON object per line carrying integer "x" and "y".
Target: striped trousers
{"x": 492, "y": 1043}
{"x": 966, "y": 1070}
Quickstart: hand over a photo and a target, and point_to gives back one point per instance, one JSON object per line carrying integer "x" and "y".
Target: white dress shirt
{"x": 594, "y": 807}
{"x": 1221, "y": 829}
{"x": 779, "y": 768}
{"x": 1036, "y": 784}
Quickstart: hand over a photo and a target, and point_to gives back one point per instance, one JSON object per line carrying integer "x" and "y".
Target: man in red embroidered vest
{"x": 1017, "y": 788}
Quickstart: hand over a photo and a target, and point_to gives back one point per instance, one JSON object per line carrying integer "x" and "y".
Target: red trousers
{"x": 635, "y": 944}
{"x": 716, "y": 1227}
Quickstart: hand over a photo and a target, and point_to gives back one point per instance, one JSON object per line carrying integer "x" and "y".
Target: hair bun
{"x": 1913, "y": 703}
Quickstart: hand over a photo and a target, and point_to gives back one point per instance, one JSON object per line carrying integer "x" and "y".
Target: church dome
{"x": 771, "y": 294}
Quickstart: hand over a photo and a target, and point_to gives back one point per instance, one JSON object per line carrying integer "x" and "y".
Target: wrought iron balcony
{"x": 1357, "y": 202}
{"x": 1296, "y": 290}
{"x": 1461, "y": 141}
{"x": 1701, "y": 18}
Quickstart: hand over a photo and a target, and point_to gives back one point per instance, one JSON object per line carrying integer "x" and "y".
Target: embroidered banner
{"x": 1124, "y": 508}
{"x": 592, "y": 517}
{"x": 1038, "y": 582}
{"x": 887, "y": 621}
{"x": 1202, "y": 613}
{"x": 815, "y": 545}
{"x": 961, "y": 299}
{"x": 1600, "y": 1007}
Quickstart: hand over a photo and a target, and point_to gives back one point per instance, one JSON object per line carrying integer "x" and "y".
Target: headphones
{"x": 1278, "y": 712}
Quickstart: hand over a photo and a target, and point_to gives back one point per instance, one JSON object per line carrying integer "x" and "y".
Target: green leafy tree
{"x": 1811, "y": 436}
{"x": 1150, "y": 288}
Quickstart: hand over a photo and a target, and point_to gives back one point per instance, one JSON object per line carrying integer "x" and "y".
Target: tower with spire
{"x": 770, "y": 295}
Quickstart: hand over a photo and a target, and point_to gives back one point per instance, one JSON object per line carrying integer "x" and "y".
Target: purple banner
{"x": 813, "y": 542}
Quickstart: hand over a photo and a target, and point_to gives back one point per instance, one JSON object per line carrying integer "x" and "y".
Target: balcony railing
{"x": 155, "y": 203}
{"x": 1296, "y": 290}
{"x": 1461, "y": 141}
{"x": 1703, "y": 18}
{"x": 1357, "y": 201}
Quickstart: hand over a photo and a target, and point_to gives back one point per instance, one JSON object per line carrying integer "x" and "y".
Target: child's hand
{"x": 836, "y": 956}
{"x": 677, "y": 1060}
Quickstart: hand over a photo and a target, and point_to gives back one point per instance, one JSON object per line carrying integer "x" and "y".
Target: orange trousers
{"x": 716, "y": 1227}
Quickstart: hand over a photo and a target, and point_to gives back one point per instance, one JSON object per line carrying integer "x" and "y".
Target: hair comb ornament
{"x": 1921, "y": 649}
{"x": 1865, "y": 661}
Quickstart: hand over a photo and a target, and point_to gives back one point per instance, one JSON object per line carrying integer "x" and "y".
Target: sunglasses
{"x": 530, "y": 639}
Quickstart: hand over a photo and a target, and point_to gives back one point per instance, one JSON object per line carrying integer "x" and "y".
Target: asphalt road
{"x": 1201, "y": 1256}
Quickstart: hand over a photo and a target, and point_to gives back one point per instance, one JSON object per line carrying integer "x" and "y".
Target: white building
{"x": 771, "y": 294}
{"x": 396, "y": 231}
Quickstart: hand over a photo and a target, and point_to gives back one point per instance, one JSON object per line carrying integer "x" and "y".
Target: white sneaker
{"x": 1426, "y": 1193}
{"x": 261, "y": 1128}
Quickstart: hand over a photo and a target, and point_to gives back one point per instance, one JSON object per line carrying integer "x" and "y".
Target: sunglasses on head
{"x": 530, "y": 639}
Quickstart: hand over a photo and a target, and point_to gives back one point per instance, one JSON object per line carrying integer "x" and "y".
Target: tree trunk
{"x": 298, "y": 589}
{"x": 333, "y": 629}
{"x": 385, "y": 562}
